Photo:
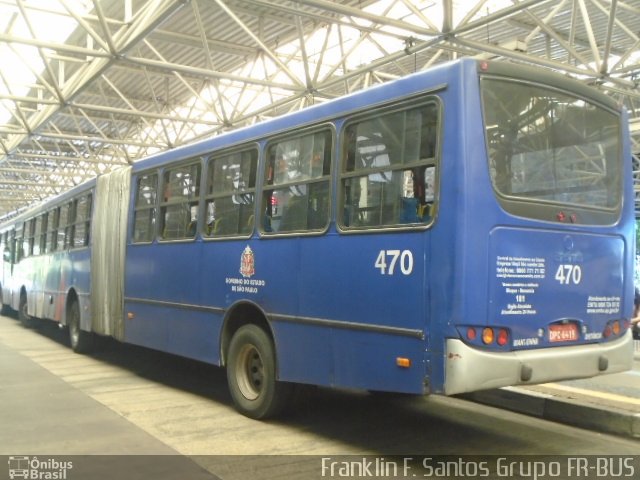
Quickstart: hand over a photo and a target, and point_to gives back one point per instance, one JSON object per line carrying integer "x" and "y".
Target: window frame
{"x": 27, "y": 237}
{"x": 38, "y": 247}
{"x": 196, "y": 161}
{"x": 533, "y": 208}
{"x": 19, "y": 242}
{"x": 415, "y": 103}
{"x": 7, "y": 255}
{"x": 52, "y": 230}
{"x": 65, "y": 229}
{"x": 153, "y": 207}
{"x": 86, "y": 221}
{"x": 266, "y": 190}
{"x": 207, "y": 197}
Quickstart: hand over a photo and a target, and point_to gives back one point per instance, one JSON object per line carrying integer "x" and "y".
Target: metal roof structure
{"x": 126, "y": 78}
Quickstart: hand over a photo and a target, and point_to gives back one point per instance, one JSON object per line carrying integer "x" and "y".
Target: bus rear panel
{"x": 550, "y": 216}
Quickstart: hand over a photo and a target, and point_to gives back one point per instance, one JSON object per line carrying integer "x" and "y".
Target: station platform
{"x": 609, "y": 404}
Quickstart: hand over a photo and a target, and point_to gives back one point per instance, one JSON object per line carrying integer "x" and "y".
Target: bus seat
{"x": 409, "y": 211}
{"x": 192, "y": 226}
{"x": 225, "y": 226}
{"x": 249, "y": 225}
{"x": 176, "y": 223}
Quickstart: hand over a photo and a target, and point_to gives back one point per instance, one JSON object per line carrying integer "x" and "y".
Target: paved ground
{"x": 619, "y": 391}
{"x": 133, "y": 401}
{"x": 609, "y": 403}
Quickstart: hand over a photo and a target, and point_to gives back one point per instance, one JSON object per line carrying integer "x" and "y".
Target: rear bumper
{"x": 469, "y": 369}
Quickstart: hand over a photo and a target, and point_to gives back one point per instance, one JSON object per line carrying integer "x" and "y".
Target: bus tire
{"x": 23, "y": 312}
{"x": 81, "y": 341}
{"x": 251, "y": 374}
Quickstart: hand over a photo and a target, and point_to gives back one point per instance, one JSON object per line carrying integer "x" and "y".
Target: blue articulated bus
{"x": 462, "y": 228}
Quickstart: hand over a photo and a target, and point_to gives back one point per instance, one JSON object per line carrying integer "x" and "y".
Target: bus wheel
{"x": 81, "y": 341}
{"x": 23, "y": 312}
{"x": 251, "y": 374}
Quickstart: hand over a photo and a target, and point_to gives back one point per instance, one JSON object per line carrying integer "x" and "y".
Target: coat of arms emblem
{"x": 247, "y": 263}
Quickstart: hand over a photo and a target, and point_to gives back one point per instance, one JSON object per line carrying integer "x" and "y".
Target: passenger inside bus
{"x": 389, "y": 168}
{"x": 301, "y": 166}
{"x": 177, "y": 216}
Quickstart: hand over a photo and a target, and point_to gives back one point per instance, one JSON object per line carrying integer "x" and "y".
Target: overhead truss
{"x": 134, "y": 77}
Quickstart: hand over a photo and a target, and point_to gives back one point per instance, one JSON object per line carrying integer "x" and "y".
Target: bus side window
{"x": 6, "y": 248}
{"x": 13, "y": 245}
{"x": 36, "y": 243}
{"x": 296, "y": 194}
{"x": 145, "y": 208}
{"x": 69, "y": 231}
{"x": 52, "y": 229}
{"x": 231, "y": 184}
{"x": 63, "y": 226}
{"x": 28, "y": 238}
{"x": 179, "y": 204}
{"x": 82, "y": 221}
{"x": 389, "y": 169}
{"x": 19, "y": 244}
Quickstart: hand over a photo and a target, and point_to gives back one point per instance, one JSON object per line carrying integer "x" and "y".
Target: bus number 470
{"x": 569, "y": 274}
{"x": 389, "y": 261}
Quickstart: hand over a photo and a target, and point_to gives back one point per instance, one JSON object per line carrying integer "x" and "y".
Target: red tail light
{"x": 471, "y": 333}
{"x": 503, "y": 337}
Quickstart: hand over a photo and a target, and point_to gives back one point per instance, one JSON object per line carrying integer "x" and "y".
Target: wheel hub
{"x": 250, "y": 372}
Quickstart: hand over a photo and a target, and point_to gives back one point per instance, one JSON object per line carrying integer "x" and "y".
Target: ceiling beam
{"x": 152, "y": 14}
